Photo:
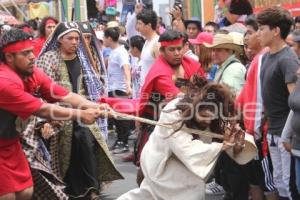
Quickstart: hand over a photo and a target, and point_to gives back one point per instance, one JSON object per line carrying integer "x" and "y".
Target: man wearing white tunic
{"x": 175, "y": 164}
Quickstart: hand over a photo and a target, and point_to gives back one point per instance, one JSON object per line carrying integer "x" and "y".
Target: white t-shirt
{"x": 147, "y": 58}
{"x": 116, "y": 76}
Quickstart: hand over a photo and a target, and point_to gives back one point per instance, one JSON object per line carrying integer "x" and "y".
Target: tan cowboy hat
{"x": 238, "y": 38}
{"x": 247, "y": 154}
{"x": 223, "y": 41}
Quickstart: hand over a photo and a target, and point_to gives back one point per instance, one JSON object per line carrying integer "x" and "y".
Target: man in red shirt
{"x": 165, "y": 80}
{"x": 22, "y": 86}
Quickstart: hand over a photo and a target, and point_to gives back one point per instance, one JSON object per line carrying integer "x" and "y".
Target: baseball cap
{"x": 202, "y": 37}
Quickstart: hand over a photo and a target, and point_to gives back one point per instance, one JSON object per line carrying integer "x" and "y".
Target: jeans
{"x": 281, "y": 160}
{"x": 297, "y": 168}
{"x": 125, "y": 10}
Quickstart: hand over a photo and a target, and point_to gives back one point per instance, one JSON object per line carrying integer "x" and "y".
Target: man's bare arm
{"x": 291, "y": 87}
{"x": 78, "y": 101}
{"x": 177, "y": 15}
{"x": 56, "y": 112}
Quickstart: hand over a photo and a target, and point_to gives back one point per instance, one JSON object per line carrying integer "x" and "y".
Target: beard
{"x": 24, "y": 73}
{"x": 202, "y": 126}
{"x": 27, "y": 73}
{"x": 193, "y": 123}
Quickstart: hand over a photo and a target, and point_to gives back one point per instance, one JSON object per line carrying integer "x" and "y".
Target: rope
{"x": 118, "y": 115}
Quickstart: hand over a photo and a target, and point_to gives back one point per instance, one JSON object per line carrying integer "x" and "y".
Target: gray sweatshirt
{"x": 293, "y": 121}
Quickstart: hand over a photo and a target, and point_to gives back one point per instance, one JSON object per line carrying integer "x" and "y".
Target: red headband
{"x": 50, "y": 21}
{"x": 18, "y": 46}
{"x": 172, "y": 42}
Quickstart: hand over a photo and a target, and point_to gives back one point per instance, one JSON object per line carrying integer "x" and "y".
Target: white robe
{"x": 175, "y": 166}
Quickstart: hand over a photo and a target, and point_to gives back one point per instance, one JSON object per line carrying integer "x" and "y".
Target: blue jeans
{"x": 297, "y": 168}
{"x": 125, "y": 10}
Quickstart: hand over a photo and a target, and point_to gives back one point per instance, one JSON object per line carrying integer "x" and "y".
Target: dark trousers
{"x": 231, "y": 176}
{"x": 122, "y": 126}
{"x": 82, "y": 173}
{"x": 293, "y": 187}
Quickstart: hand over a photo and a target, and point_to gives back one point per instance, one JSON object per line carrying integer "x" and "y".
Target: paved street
{"x": 128, "y": 170}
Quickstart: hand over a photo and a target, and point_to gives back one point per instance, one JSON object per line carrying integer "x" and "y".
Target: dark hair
{"x": 276, "y": 17}
{"x": 161, "y": 23}
{"x": 33, "y": 24}
{"x": 42, "y": 30}
{"x": 251, "y": 21}
{"x": 124, "y": 43}
{"x": 170, "y": 35}
{"x": 12, "y": 36}
{"x": 21, "y": 26}
{"x": 137, "y": 41}
{"x": 240, "y": 7}
{"x": 147, "y": 4}
{"x": 204, "y": 95}
{"x": 297, "y": 19}
{"x": 296, "y": 36}
{"x": 148, "y": 17}
{"x": 214, "y": 25}
{"x": 113, "y": 33}
{"x": 196, "y": 22}
{"x": 185, "y": 37}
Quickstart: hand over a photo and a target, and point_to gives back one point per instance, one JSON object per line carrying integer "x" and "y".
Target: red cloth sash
{"x": 15, "y": 174}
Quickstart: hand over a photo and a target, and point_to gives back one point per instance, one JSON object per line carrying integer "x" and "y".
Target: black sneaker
{"x": 120, "y": 148}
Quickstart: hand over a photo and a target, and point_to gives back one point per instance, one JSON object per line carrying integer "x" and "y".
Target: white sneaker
{"x": 214, "y": 188}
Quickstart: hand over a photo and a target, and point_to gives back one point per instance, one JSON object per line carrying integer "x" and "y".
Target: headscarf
{"x": 66, "y": 27}
{"x": 94, "y": 86}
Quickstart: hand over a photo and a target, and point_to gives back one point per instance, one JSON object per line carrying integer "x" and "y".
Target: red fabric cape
{"x": 248, "y": 99}
{"x": 159, "y": 69}
{"x": 38, "y": 45}
{"x": 249, "y": 102}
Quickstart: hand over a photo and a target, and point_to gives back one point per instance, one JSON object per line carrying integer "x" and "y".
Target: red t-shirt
{"x": 22, "y": 98}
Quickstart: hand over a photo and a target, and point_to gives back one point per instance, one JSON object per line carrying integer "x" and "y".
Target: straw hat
{"x": 112, "y": 24}
{"x": 238, "y": 38}
{"x": 223, "y": 41}
{"x": 248, "y": 153}
{"x": 236, "y": 27}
